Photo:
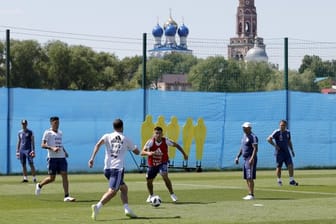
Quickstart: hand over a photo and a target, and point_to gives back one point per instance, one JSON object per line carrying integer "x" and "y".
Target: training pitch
{"x": 207, "y": 197}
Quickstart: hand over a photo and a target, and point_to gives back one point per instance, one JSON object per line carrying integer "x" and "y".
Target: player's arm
{"x": 238, "y": 156}
{"x": 45, "y": 145}
{"x": 290, "y": 144}
{"x": 32, "y": 142}
{"x": 18, "y": 147}
{"x": 270, "y": 141}
{"x": 65, "y": 152}
{"x": 254, "y": 152}
{"x": 136, "y": 151}
{"x": 145, "y": 150}
{"x": 180, "y": 149}
{"x": 94, "y": 152}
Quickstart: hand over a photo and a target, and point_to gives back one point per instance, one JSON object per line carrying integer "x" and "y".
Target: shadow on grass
{"x": 192, "y": 203}
{"x": 276, "y": 199}
{"x": 77, "y": 201}
{"x": 152, "y": 218}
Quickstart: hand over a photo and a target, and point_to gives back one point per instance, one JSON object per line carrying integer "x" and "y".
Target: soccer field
{"x": 207, "y": 197}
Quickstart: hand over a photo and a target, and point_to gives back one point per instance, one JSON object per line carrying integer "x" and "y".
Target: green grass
{"x": 207, "y": 197}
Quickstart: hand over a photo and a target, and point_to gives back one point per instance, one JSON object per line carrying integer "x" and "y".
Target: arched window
{"x": 247, "y": 27}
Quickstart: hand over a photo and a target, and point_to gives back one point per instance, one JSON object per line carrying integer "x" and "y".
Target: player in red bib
{"x": 156, "y": 149}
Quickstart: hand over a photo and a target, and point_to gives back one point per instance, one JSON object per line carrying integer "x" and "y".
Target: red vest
{"x": 162, "y": 153}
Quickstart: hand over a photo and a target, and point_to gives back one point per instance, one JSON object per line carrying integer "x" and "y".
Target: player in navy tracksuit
{"x": 25, "y": 150}
{"x": 249, "y": 149}
{"x": 282, "y": 142}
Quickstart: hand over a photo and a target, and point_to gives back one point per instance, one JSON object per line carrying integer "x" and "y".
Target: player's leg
{"x": 249, "y": 176}
{"x": 115, "y": 181}
{"x": 167, "y": 182}
{"x": 290, "y": 167}
{"x": 279, "y": 163}
{"x": 150, "y": 176}
{"x": 45, "y": 181}
{"x": 65, "y": 183}
{"x": 124, "y": 193}
{"x": 164, "y": 174}
{"x": 166, "y": 179}
{"x": 124, "y": 199}
{"x": 52, "y": 170}
{"x": 62, "y": 168}
{"x": 23, "y": 160}
{"x": 32, "y": 168}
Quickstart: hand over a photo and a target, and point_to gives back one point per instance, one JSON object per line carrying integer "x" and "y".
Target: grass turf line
{"x": 207, "y": 197}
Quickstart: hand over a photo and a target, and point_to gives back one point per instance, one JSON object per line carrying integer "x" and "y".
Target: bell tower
{"x": 246, "y": 31}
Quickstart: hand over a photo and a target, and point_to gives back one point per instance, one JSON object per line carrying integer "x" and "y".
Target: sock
{"x": 125, "y": 206}
{"x": 99, "y": 205}
{"x": 279, "y": 180}
{"x": 66, "y": 195}
{"x": 25, "y": 177}
{"x": 291, "y": 178}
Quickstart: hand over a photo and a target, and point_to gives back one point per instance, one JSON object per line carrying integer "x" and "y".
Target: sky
{"x": 117, "y": 26}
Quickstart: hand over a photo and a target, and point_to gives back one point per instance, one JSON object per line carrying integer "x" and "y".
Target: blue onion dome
{"x": 183, "y": 31}
{"x": 170, "y": 30}
{"x": 157, "y": 31}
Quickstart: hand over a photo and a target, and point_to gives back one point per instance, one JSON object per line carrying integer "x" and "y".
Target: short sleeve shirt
{"x": 54, "y": 139}
{"x": 281, "y": 138}
{"x": 116, "y": 147}
{"x": 247, "y": 143}
{"x": 25, "y": 137}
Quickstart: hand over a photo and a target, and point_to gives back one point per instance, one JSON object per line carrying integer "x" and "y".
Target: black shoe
{"x": 293, "y": 183}
{"x": 24, "y": 181}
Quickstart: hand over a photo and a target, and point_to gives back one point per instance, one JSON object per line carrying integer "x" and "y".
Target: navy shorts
{"x": 115, "y": 178}
{"x": 24, "y": 157}
{"x": 152, "y": 171}
{"x": 283, "y": 158}
{"x": 250, "y": 171}
{"x": 57, "y": 165}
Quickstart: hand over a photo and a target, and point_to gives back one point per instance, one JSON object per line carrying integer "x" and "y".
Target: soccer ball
{"x": 155, "y": 201}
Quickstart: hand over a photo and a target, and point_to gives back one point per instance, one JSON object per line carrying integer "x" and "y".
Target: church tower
{"x": 246, "y": 31}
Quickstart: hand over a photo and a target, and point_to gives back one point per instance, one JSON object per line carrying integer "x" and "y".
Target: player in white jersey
{"x": 116, "y": 147}
{"x": 57, "y": 163}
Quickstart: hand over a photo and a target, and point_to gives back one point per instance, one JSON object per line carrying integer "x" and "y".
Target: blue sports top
{"x": 247, "y": 143}
{"x": 281, "y": 139}
{"x": 25, "y": 139}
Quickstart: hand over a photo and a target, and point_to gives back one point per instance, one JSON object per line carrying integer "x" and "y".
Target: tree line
{"x": 57, "y": 65}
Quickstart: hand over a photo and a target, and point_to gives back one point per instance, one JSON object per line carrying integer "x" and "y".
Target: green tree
{"x": 256, "y": 76}
{"x": 82, "y": 72}
{"x": 156, "y": 67}
{"x": 2, "y": 65}
{"x": 58, "y": 65}
{"x": 130, "y": 66}
{"x": 181, "y": 62}
{"x": 302, "y": 82}
{"x": 318, "y": 67}
{"x": 215, "y": 74}
{"x": 26, "y": 63}
{"x": 106, "y": 67}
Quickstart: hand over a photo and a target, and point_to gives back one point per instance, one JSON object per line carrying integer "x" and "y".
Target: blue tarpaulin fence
{"x": 87, "y": 115}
